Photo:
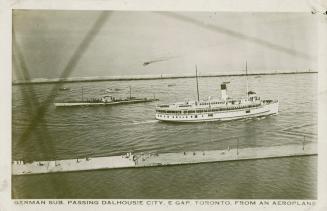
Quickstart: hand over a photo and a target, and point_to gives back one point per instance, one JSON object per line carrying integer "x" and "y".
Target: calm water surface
{"x": 66, "y": 133}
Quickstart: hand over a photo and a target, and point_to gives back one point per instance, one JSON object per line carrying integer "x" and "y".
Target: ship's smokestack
{"x": 223, "y": 88}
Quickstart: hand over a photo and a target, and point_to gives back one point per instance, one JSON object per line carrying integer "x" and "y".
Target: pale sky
{"x": 218, "y": 42}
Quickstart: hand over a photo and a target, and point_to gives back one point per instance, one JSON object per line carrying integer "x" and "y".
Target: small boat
{"x": 170, "y": 85}
{"x": 225, "y": 108}
{"x": 110, "y": 90}
{"x": 64, "y": 89}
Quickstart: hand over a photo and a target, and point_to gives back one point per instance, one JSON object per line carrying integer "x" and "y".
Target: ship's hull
{"x": 263, "y": 110}
{"x": 86, "y": 103}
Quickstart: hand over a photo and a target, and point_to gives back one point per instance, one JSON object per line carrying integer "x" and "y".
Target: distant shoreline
{"x": 156, "y": 77}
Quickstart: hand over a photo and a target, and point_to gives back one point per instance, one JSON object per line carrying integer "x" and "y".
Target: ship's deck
{"x": 213, "y": 106}
{"x": 94, "y": 103}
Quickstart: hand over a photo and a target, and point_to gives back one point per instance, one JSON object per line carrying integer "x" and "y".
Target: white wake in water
{"x": 141, "y": 122}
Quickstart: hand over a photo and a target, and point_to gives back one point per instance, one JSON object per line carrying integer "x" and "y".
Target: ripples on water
{"x": 109, "y": 130}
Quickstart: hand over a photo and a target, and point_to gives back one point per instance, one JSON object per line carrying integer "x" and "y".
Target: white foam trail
{"x": 145, "y": 122}
{"x": 259, "y": 118}
{"x": 141, "y": 122}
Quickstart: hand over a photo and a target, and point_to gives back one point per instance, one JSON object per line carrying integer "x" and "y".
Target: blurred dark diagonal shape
{"x": 69, "y": 68}
{"x": 37, "y": 109}
{"x": 31, "y": 101}
{"x": 235, "y": 34}
{"x": 44, "y": 141}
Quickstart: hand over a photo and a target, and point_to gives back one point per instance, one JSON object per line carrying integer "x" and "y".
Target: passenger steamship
{"x": 221, "y": 109}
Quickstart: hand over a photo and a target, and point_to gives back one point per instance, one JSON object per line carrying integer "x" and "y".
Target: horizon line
{"x": 144, "y": 77}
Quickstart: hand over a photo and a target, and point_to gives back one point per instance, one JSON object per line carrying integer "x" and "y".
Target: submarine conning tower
{"x": 223, "y": 87}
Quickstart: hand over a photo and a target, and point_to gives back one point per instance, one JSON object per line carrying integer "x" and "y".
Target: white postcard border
{"x": 6, "y": 203}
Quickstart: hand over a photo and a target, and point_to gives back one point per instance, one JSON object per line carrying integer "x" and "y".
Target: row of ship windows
{"x": 183, "y": 117}
{"x": 212, "y": 103}
{"x": 204, "y": 111}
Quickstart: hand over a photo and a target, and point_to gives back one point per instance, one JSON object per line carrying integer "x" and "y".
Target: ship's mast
{"x": 246, "y": 75}
{"x": 197, "y": 84}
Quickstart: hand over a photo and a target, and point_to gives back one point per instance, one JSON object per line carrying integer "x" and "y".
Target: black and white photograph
{"x": 164, "y": 105}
